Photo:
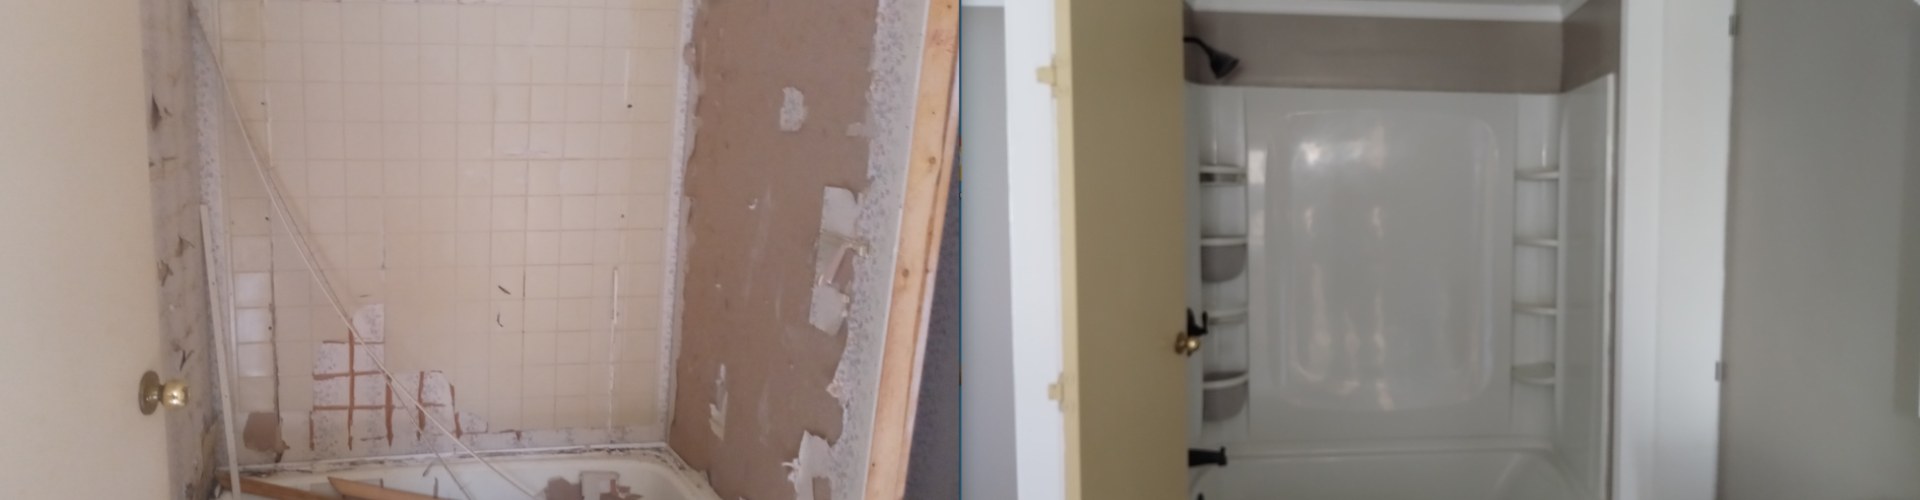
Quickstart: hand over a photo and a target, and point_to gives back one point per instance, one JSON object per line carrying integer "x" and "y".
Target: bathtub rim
{"x": 649, "y": 453}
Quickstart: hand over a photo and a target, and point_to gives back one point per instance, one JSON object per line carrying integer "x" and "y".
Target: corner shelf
{"x": 1553, "y": 243}
{"x": 1537, "y": 309}
{"x": 1540, "y": 374}
{"x": 1537, "y": 174}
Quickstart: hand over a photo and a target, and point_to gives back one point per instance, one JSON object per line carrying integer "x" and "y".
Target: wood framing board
{"x": 935, "y": 127}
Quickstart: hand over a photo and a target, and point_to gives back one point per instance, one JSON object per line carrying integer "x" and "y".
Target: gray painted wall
{"x": 986, "y": 343}
{"x": 1819, "y": 395}
{"x": 1281, "y": 50}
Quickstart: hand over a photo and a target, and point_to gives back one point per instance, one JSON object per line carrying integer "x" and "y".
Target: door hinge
{"x": 1057, "y": 391}
{"x": 1719, "y": 371}
{"x": 1049, "y": 75}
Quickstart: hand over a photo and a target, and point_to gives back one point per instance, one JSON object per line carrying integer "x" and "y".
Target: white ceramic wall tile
{"x": 481, "y": 169}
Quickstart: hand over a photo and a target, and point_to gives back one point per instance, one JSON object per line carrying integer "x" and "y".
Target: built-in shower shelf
{"x": 1535, "y": 373}
{"x": 1536, "y": 309}
{"x": 1538, "y": 242}
{"x": 1231, "y": 315}
{"x": 1219, "y": 175}
{"x": 1222, "y": 258}
{"x": 1223, "y": 395}
{"x": 1538, "y": 174}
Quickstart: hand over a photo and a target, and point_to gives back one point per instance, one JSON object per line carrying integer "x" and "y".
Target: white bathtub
{"x": 651, "y": 472}
{"x": 1490, "y": 475}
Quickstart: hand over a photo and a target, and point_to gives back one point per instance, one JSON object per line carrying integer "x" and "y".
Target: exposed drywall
{"x": 174, "y": 167}
{"x": 762, "y": 241}
{"x": 1591, "y": 44}
{"x": 1813, "y": 405}
{"x": 1279, "y": 50}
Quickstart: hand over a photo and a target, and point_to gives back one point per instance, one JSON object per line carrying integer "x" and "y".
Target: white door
{"x": 79, "y": 317}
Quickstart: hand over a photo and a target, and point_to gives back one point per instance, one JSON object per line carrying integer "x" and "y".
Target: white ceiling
{"x": 1493, "y": 10}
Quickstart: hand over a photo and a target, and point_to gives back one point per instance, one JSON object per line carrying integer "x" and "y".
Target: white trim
{"x": 983, "y": 3}
{"x": 1033, "y": 200}
{"x": 1551, "y": 13}
{"x": 1676, "y": 82}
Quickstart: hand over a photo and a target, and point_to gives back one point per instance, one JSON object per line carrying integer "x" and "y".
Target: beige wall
{"x": 1277, "y": 50}
{"x": 1816, "y": 401}
{"x": 484, "y": 172}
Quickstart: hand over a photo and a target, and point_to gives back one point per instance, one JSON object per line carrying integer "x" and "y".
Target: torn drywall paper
{"x": 816, "y": 457}
{"x": 829, "y": 308}
{"x": 839, "y": 214}
{"x": 717, "y": 410}
{"x": 793, "y": 109}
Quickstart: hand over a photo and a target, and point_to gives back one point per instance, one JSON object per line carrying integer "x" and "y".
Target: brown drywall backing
{"x": 1281, "y": 50}
{"x": 752, "y": 210}
{"x": 1591, "y": 48}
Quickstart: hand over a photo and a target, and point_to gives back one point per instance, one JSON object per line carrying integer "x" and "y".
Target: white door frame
{"x": 1675, "y": 103}
{"x": 1033, "y": 200}
{"x": 1675, "y": 130}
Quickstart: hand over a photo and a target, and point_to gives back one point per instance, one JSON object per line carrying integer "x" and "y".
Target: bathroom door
{"x": 77, "y": 284}
{"x": 1120, "y": 95}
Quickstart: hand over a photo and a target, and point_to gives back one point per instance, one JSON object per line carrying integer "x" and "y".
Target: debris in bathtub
{"x": 262, "y": 432}
{"x": 265, "y": 489}
{"x": 593, "y": 485}
{"x": 356, "y": 490}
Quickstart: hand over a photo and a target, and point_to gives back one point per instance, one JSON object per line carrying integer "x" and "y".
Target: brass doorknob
{"x": 1186, "y": 345}
{"x": 154, "y": 394}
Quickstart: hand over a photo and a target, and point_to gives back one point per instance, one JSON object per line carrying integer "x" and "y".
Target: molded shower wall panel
{"x": 485, "y": 184}
{"x": 1383, "y": 285}
{"x": 1582, "y": 385}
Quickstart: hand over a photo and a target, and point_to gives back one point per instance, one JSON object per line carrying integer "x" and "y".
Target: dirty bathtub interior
{"x": 601, "y": 473}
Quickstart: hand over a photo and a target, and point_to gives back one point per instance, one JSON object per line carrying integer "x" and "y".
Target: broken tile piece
{"x": 371, "y": 322}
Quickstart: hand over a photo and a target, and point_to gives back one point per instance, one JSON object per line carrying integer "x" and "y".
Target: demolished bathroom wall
{"x": 175, "y": 166}
{"x": 792, "y": 201}
{"x": 484, "y": 185}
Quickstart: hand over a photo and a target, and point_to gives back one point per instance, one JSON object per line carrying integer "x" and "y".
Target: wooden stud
{"x": 257, "y": 487}
{"x": 929, "y": 174}
{"x": 363, "y": 491}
